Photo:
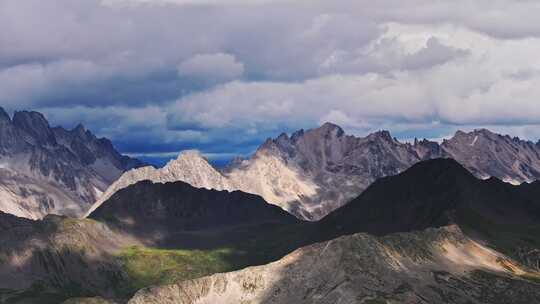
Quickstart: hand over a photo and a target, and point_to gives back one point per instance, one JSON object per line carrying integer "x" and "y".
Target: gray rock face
{"x": 52, "y": 170}
{"x": 341, "y": 166}
{"x": 311, "y": 173}
{"x": 487, "y": 154}
{"x": 432, "y": 266}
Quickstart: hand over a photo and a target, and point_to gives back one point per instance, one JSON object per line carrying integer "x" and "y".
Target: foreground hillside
{"x": 433, "y": 266}
{"x": 50, "y": 260}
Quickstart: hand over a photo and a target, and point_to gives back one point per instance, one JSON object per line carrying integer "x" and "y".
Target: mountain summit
{"x": 313, "y": 172}
{"x": 53, "y": 170}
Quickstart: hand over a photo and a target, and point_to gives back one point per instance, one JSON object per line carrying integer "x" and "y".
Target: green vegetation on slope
{"x": 149, "y": 266}
{"x": 226, "y": 250}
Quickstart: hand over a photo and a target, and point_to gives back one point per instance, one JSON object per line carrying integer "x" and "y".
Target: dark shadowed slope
{"x": 430, "y": 194}
{"x": 190, "y": 232}
{"x": 8, "y": 221}
{"x": 440, "y": 192}
{"x": 179, "y": 206}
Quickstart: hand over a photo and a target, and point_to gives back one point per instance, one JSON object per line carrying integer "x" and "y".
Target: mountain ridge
{"x": 416, "y": 267}
{"x": 174, "y": 231}
{"x": 46, "y": 169}
{"x": 313, "y": 172}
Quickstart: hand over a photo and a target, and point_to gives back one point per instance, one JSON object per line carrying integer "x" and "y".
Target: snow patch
{"x": 474, "y": 140}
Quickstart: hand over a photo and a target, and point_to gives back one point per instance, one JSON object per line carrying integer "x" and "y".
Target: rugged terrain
{"x": 49, "y": 260}
{"x": 438, "y": 230}
{"x": 314, "y": 172}
{"x": 465, "y": 235}
{"x": 441, "y": 234}
{"x": 145, "y": 234}
{"x": 45, "y": 170}
{"x": 433, "y": 266}
{"x": 440, "y": 192}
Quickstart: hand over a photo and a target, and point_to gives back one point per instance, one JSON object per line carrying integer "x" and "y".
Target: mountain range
{"x": 311, "y": 173}
{"x": 387, "y": 222}
{"x": 432, "y": 234}
{"x": 46, "y": 170}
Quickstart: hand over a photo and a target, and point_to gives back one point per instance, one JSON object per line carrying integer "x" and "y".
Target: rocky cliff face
{"x": 487, "y": 154}
{"x": 332, "y": 167}
{"x": 314, "y": 172}
{"x": 52, "y": 170}
{"x": 433, "y": 266}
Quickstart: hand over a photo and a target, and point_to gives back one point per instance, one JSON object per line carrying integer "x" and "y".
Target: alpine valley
{"x": 316, "y": 216}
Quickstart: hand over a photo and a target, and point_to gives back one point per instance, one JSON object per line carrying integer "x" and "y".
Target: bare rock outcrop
{"x": 45, "y": 170}
{"x": 311, "y": 173}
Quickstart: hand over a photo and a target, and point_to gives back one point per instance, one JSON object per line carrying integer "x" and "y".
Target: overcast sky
{"x": 159, "y": 76}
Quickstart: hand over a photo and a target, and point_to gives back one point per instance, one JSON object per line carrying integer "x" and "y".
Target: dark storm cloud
{"x": 159, "y": 76}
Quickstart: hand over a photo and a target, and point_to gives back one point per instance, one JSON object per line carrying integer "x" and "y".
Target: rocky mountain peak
{"x": 426, "y": 149}
{"x": 296, "y": 135}
{"x": 483, "y": 131}
{"x": 190, "y": 161}
{"x": 80, "y": 130}
{"x": 282, "y": 139}
{"x": 30, "y": 120}
{"x": 36, "y": 125}
{"x": 382, "y": 134}
{"x": 476, "y": 133}
{"x": 54, "y": 170}
{"x": 329, "y": 128}
{"x": 191, "y": 155}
